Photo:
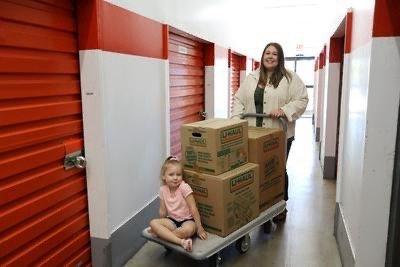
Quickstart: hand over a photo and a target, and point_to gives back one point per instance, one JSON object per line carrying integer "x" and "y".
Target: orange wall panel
{"x": 348, "y": 32}
{"x": 386, "y": 18}
{"x": 111, "y": 28}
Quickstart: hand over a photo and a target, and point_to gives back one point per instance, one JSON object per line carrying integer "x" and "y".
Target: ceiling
{"x": 301, "y": 26}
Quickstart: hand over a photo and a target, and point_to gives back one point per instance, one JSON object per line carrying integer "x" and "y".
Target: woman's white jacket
{"x": 290, "y": 96}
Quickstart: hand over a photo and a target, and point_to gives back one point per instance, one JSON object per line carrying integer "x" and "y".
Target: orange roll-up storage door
{"x": 235, "y": 75}
{"x": 43, "y": 207}
{"x": 186, "y": 78}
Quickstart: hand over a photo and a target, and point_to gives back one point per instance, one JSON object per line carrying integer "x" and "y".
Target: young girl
{"x": 179, "y": 217}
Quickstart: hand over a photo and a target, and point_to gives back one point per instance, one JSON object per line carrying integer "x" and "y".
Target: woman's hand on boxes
{"x": 201, "y": 232}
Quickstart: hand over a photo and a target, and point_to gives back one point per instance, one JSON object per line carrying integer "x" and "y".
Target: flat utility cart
{"x": 211, "y": 247}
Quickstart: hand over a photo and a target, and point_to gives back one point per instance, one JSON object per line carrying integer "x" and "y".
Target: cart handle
{"x": 258, "y": 115}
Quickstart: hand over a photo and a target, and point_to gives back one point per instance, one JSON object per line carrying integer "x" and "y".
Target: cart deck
{"x": 203, "y": 249}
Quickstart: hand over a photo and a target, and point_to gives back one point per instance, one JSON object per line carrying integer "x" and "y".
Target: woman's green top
{"x": 259, "y": 102}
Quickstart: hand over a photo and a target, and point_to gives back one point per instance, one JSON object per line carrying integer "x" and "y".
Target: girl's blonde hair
{"x": 170, "y": 161}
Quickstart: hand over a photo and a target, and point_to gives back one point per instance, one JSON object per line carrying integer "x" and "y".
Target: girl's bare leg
{"x": 164, "y": 228}
{"x": 187, "y": 230}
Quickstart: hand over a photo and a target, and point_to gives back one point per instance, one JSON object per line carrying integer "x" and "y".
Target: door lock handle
{"x": 203, "y": 114}
{"x": 76, "y": 160}
{"x": 79, "y": 162}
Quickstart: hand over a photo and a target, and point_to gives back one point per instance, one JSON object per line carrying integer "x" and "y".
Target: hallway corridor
{"x": 305, "y": 240}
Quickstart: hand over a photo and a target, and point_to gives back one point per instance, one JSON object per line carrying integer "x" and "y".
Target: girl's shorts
{"x": 179, "y": 223}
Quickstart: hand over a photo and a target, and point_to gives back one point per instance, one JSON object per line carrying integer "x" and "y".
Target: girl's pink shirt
{"x": 177, "y": 207}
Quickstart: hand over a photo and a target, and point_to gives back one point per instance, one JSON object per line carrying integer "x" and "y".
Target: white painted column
{"x": 320, "y": 103}
{"x": 209, "y": 96}
{"x": 330, "y": 115}
{"x": 315, "y": 99}
{"x": 344, "y": 113}
{"x": 92, "y": 87}
{"x": 221, "y": 83}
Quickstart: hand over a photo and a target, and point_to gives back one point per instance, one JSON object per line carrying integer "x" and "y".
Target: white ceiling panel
{"x": 246, "y": 26}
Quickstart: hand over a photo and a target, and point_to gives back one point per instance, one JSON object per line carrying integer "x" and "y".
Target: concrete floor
{"x": 305, "y": 239}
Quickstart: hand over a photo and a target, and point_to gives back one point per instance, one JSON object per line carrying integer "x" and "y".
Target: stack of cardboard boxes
{"x": 215, "y": 157}
{"x": 267, "y": 149}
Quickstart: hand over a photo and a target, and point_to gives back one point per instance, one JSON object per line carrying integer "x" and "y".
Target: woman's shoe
{"x": 280, "y": 217}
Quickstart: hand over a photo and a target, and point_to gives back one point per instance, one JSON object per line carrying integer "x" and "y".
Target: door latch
{"x": 203, "y": 114}
{"x": 75, "y": 159}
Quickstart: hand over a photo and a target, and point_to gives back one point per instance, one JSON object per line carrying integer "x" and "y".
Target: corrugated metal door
{"x": 43, "y": 208}
{"x": 235, "y": 75}
{"x": 186, "y": 78}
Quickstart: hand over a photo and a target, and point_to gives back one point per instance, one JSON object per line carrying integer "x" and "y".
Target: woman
{"x": 273, "y": 90}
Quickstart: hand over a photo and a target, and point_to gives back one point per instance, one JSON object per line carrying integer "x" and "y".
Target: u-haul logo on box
{"x": 197, "y": 141}
{"x": 231, "y": 134}
{"x": 241, "y": 181}
{"x": 271, "y": 165}
{"x": 200, "y": 191}
{"x": 271, "y": 144}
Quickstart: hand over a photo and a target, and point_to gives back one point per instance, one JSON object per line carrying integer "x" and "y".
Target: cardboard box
{"x": 214, "y": 146}
{"x": 226, "y": 201}
{"x": 267, "y": 148}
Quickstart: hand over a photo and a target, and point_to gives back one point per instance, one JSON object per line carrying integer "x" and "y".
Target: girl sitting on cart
{"x": 179, "y": 218}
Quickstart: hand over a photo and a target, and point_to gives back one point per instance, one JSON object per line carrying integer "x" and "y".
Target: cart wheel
{"x": 243, "y": 244}
{"x": 215, "y": 260}
{"x": 267, "y": 227}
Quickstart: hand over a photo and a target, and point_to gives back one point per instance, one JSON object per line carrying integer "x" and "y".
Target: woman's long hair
{"x": 279, "y": 71}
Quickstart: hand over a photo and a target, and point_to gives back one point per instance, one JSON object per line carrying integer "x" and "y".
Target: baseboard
{"x": 342, "y": 239}
{"x": 125, "y": 241}
{"x": 329, "y": 171}
{"x": 101, "y": 252}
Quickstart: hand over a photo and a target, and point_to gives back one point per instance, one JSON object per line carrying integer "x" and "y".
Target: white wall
{"x": 354, "y": 140}
{"x": 124, "y": 106}
{"x": 249, "y": 66}
{"x": 380, "y": 139}
{"x": 370, "y": 101}
{"x": 135, "y": 129}
{"x": 354, "y": 121}
{"x": 221, "y": 83}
